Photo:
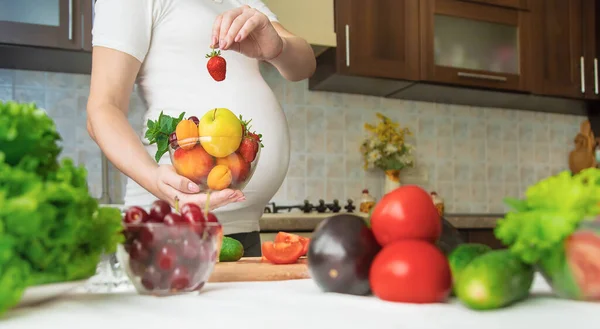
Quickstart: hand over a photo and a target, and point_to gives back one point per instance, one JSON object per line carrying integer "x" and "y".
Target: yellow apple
{"x": 220, "y": 132}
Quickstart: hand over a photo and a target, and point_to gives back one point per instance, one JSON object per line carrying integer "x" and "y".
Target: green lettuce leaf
{"x": 28, "y": 138}
{"x": 551, "y": 210}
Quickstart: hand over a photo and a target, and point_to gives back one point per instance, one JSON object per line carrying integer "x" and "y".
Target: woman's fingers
{"x": 252, "y": 23}
{"x": 170, "y": 193}
{"x": 224, "y": 197}
{"x": 225, "y": 22}
{"x": 179, "y": 182}
{"x": 216, "y": 31}
{"x": 234, "y": 29}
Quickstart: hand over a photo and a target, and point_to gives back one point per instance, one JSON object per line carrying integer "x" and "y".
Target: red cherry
{"x": 190, "y": 248}
{"x": 138, "y": 268}
{"x": 173, "y": 219}
{"x": 159, "y": 209}
{"x": 151, "y": 278}
{"x": 151, "y": 234}
{"x": 180, "y": 278}
{"x": 192, "y": 213}
{"x": 131, "y": 233}
{"x": 137, "y": 251}
{"x": 212, "y": 218}
{"x": 166, "y": 258}
{"x": 173, "y": 141}
{"x": 195, "y": 119}
{"x": 135, "y": 215}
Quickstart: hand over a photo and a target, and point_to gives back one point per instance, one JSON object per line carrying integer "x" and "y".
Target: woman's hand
{"x": 247, "y": 31}
{"x": 171, "y": 186}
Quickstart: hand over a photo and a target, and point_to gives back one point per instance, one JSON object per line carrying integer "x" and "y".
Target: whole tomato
{"x": 410, "y": 271}
{"x": 408, "y": 212}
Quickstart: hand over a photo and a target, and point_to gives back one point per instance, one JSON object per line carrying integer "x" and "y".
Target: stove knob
{"x": 350, "y": 206}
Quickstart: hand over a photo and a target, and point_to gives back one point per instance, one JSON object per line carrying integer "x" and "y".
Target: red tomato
{"x": 410, "y": 271}
{"x": 289, "y": 237}
{"x": 282, "y": 252}
{"x": 408, "y": 212}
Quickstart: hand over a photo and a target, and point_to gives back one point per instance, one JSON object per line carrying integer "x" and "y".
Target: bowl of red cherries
{"x": 168, "y": 252}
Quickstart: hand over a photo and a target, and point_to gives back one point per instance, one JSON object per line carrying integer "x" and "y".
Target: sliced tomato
{"x": 282, "y": 252}
{"x": 289, "y": 237}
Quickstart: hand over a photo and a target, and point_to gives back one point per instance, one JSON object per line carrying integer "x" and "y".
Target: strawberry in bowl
{"x": 217, "y": 151}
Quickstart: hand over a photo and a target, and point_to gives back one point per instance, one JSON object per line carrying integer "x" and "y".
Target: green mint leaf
{"x": 163, "y": 147}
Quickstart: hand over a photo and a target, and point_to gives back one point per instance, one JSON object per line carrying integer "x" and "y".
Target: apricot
{"x": 187, "y": 134}
{"x": 239, "y": 167}
{"x": 219, "y": 178}
{"x": 194, "y": 164}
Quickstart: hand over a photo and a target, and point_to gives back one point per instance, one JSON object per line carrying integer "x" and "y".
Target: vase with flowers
{"x": 385, "y": 148}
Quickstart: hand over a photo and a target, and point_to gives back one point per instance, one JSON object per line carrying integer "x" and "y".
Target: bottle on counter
{"x": 367, "y": 202}
{"x": 438, "y": 202}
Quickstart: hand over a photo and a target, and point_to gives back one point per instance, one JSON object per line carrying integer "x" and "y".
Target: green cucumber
{"x": 231, "y": 250}
{"x": 462, "y": 255}
{"x": 493, "y": 280}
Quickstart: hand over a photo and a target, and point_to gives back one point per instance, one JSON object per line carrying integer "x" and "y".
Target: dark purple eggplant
{"x": 340, "y": 254}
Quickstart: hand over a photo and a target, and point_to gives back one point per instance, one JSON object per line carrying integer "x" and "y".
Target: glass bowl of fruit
{"x": 167, "y": 253}
{"x": 217, "y": 151}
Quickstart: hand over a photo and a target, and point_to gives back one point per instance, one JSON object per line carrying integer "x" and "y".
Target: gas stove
{"x": 307, "y": 207}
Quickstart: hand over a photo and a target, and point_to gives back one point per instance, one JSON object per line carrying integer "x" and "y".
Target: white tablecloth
{"x": 290, "y": 305}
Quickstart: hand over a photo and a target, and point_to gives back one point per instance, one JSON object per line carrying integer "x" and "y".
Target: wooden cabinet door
{"x": 378, "y": 38}
{"x": 475, "y": 44}
{"x": 44, "y": 23}
{"x": 591, "y": 48}
{"x": 557, "y": 48}
{"x": 519, "y": 4}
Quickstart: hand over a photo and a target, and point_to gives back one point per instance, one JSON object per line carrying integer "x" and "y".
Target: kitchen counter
{"x": 297, "y": 221}
{"x": 292, "y": 304}
{"x": 300, "y": 222}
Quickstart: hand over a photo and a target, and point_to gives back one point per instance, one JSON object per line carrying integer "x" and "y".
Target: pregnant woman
{"x": 162, "y": 44}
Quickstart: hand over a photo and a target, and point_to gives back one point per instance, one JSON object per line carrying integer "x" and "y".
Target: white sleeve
{"x": 260, "y": 6}
{"x": 125, "y": 25}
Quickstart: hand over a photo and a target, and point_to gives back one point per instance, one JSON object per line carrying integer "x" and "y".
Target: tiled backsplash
{"x": 473, "y": 157}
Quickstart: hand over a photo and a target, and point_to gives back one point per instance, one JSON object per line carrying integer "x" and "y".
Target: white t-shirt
{"x": 171, "y": 39}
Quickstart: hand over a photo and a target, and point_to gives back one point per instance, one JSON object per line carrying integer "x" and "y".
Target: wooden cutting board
{"x": 255, "y": 269}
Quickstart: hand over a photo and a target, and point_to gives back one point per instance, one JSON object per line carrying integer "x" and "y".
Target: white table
{"x": 290, "y": 305}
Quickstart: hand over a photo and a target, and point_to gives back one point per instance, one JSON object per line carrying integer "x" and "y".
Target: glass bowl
{"x": 163, "y": 260}
{"x": 215, "y": 163}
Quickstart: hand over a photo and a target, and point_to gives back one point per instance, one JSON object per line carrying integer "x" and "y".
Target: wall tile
{"x": 27, "y": 95}
{"x": 30, "y": 79}
{"x": 7, "y": 77}
{"x": 473, "y": 157}
{"x": 6, "y": 93}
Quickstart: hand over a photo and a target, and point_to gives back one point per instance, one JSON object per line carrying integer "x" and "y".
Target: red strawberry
{"x": 217, "y": 66}
{"x": 250, "y": 142}
{"x": 248, "y": 148}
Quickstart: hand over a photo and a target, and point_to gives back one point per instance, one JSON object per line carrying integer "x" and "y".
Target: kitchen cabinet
{"x": 48, "y": 35}
{"x": 378, "y": 38}
{"x": 591, "y": 48}
{"x": 312, "y": 20}
{"x": 559, "y": 48}
{"x": 518, "y": 4}
{"x": 46, "y": 23}
{"x": 486, "y": 53}
{"x": 475, "y": 44}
